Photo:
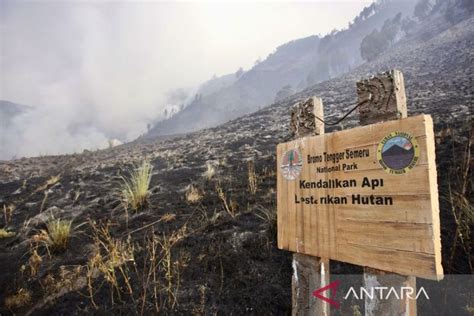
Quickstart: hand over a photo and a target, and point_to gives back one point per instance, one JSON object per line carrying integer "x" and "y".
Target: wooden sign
{"x": 367, "y": 196}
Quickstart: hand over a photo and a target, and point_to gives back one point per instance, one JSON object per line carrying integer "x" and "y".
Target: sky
{"x": 94, "y": 70}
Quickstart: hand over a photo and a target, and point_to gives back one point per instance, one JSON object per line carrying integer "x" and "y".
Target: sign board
{"x": 367, "y": 196}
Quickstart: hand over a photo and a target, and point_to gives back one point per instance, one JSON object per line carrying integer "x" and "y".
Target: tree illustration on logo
{"x": 291, "y": 164}
{"x": 291, "y": 157}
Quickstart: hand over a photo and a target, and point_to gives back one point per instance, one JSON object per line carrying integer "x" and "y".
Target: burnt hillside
{"x": 222, "y": 257}
{"x": 291, "y": 68}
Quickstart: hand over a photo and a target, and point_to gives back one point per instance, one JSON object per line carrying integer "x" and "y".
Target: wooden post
{"x": 383, "y": 98}
{"x": 309, "y": 273}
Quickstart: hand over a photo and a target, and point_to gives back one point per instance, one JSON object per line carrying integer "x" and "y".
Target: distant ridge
{"x": 293, "y": 67}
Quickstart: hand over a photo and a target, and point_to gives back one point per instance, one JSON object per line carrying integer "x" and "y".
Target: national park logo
{"x": 292, "y": 164}
{"x": 398, "y": 152}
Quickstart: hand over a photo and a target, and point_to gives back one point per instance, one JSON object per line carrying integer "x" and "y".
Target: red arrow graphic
{"x": 333, "y": 287}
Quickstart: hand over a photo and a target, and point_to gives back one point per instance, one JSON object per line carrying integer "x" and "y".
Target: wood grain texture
{"x": 382, "y": 97}
{"x": 309, "y": 272}
{"x": 303, "y": 120}
{"x": 372, "y": 277}
{"x": 403, "y": 237}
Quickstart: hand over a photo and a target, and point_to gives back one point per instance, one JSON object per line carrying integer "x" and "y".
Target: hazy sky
{"x": 108, "y": 64}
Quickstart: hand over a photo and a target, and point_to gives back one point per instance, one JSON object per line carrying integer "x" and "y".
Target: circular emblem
{"x": 291, "y": 165}
{"x": 398, "y": 152}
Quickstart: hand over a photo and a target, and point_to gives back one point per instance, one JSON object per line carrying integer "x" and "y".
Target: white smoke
{"x": 94, "y": 71}
{"x": 58, "y": 58}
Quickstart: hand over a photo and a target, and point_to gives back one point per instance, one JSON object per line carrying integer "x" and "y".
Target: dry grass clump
{"x": 113, "y": 259}
{"x": 169, "y": 267}
{"x": 193, "y": 194}
{"x": 210, "y": 172}
{"x": 20, "y": 299}
{"x": 171, "y": 274}
{"x": 6, "y": 234}
{"x": 43, "y": 202}
{"x": 459, "y": 197}
{"x": 234, "y": 206}
{"x": 206, "y": 219}
{"x": 58, "y": 234}
{"x": 109, "y": 260}
{"x": 168, "y": 217}
{"x": 34, "y": 263}
{"x": 269, "y": 217}
{"x": 252, "y": 177}
{"x": 68, "y": 278}
{"x": 229, "y": 208}
{"x": 162, "y": 270}
{"x": 135, "y": 188}
{"x": 8, "y": 212}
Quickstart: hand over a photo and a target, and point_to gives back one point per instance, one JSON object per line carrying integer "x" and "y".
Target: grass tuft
{"x": 459, "y": 197}
{"x": 135, "y": 188}
{"x": 6, "y": 234}
{"x": 34, "y": 263}
{"x": 110, "y": 259}
{"x": 210, "y": 172}
{"x": 8, "y": 213}
{"x": 20, "y": 299}
{"x": 168, "y": 217}
{"x": 193, "y": 195}
{"x": 58, "y": 233}
{"x": 269, "y": 217}
{"x": 252, "y": 177}
{"x": 228, "y": 208}
{"x": 170, "y": 267}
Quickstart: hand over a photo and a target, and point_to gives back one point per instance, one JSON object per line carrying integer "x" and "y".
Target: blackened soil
{"x": 219, "y": 263}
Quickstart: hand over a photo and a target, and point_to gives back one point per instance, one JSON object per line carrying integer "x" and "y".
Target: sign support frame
{"x": 309, "y": 273}
{"x": 380, "y": 98}
{"x": 390, "y": 87}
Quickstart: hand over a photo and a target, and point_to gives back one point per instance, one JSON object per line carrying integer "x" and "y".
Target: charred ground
{"x": 222, "y": 248}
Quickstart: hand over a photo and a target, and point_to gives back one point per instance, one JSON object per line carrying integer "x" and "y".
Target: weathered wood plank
{"x": 383, "y": 97}
{"x": 309, "y": 272}
{"x": 408, "y": 236}
{"x": 397, "y": 261}
{"x": 408, "y": 201}
{"x": 402, "y": 214}
{"x": 379, "y": 110}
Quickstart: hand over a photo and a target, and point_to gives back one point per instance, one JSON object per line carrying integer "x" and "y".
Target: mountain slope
{"x": 294, "y": 65}
{"x": 9, "y": 109}
{"x": 227, "y": 265}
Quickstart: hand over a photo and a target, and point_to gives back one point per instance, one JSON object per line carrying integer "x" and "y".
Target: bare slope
{"x": 293, "y": 66}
